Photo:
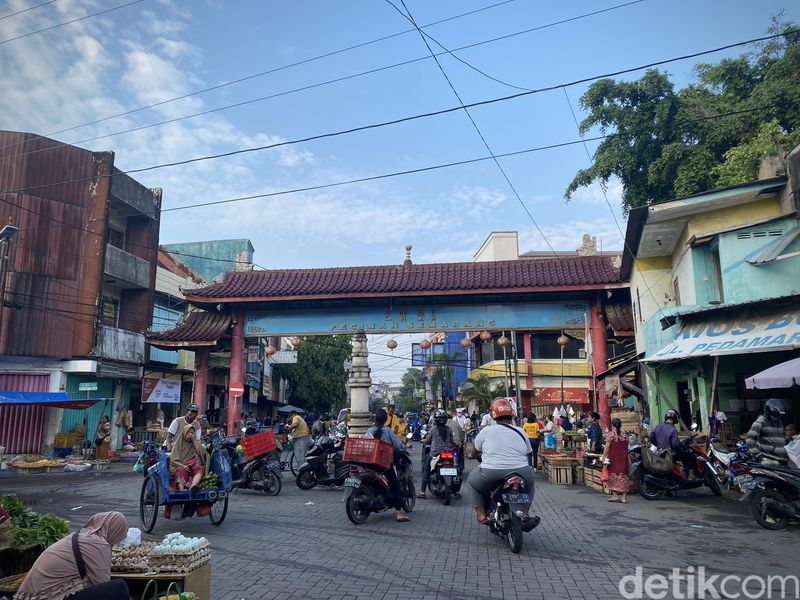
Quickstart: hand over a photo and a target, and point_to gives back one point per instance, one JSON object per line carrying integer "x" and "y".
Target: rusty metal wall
{"x": 22, "y": 427}
{"x": 56, "y": 269}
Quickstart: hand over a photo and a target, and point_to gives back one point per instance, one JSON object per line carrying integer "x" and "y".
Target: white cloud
{"x": 442, "y": 256}
{"x": 593, "y": 194}
{"x": 567, "y": 236}
{"x": 477, "y": 200}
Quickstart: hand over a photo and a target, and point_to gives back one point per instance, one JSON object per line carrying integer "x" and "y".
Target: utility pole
{"x": 8, "y": 232}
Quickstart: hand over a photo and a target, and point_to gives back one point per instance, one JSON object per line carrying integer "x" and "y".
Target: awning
{"x": 53, "y": 399}
{"x": 289, "y": 408}
{"x": 784, "y": 375}
{"x": 735, "y": 332}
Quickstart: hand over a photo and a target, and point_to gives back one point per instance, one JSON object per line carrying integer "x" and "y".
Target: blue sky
{"x": 159, "y": 49}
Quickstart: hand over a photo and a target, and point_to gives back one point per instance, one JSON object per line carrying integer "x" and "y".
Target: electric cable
{"x": 83, "y": 18}
{"x": 24, "y": 10}
{"x": 409, "y": 118}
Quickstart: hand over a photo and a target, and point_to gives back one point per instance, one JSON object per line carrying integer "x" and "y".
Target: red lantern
{"x": 425, "y": 344}
{"x": 503, "y": 341}
{"x": 270, "y": 350}
{"x": 465, "y": 342}
{"x": 296, "y": 341}
{"x": 485, "y": 336}
{"x": 391, "y": 344}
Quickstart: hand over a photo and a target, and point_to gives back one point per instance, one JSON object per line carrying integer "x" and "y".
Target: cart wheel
{"x": 218, "y": 511}
{"x": 148, "y": 503}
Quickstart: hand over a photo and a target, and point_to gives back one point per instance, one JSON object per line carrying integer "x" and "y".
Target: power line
{"x": 89, "y": 16}
{"x": 24, "y": 10}
{"x": 267, "y": 72}
{"x": 322, "y": 83}
{"x": 474, "y": 124}
{"x": 414, "y": 117}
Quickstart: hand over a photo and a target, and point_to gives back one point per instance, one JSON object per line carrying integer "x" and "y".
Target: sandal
{"x": 483, "y": 521}
{"x": 422, "y": 495}
{"x": 402, "y": 518}
{"x": 613, "y": 499}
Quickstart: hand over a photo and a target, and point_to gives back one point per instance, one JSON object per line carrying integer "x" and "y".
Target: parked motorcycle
{"x": 733, "y": 466}
{"x": 654, "y": 485}
{"x": 445, "y": 476}
{"x": 504, "y": 509}
{"x": 315, "y": 472}
{"x": 774, "y": 496}
{"x": 367, "y": 490}
{"x": 261, "y": 473}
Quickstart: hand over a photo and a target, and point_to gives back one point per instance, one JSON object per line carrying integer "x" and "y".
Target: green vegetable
{"x": 29, "y": 527}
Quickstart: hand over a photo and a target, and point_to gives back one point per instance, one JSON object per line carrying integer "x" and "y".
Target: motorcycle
{"x": 315, "y": 472}
{"x": 774, "y": 496}
{"x": 733, "y": 467}
{"x": 445, "y": 476}
{"x": 367, "y": 490}
{"x": 262, "y": 473}
{"x": 505, "y": 508}
{"x": 653, "y": 485}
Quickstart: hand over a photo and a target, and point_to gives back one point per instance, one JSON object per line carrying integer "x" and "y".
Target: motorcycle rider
{"x": 504, "y": 450}
{"x": 441, "y": 438}
{"x": 665, "y": 436}
{"x": 766, "y": 436}
{"x": 380, "y": 431}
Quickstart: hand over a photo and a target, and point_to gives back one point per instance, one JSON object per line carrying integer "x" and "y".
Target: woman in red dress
{"x": 615, "y": 457}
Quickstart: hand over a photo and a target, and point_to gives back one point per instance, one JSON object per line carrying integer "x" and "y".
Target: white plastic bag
{"x": 793, "y": 449}
{"x": 134, "y": 537}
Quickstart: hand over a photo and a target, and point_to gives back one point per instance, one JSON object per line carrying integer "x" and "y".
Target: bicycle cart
{"x": 156, "y": 493}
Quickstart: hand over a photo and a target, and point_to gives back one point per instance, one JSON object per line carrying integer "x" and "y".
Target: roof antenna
{"x": 407, "y": 262}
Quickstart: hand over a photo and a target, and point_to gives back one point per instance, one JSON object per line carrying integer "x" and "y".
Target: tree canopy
{"x": 317, "y": 381}
{"x": 410, "y": 382}
{"x": 665, "y": 144}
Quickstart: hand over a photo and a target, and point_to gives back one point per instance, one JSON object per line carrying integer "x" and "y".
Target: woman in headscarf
{"x": 102, "y": 438}
{"x": 78, "y": 567}
{"x": 187, "y": 460}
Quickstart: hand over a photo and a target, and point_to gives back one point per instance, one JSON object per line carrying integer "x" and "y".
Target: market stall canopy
{"x": 734, "y": 329}
{"x": 289, "y": 408}
{"x": 784, "y": 375}
{"x": 53, "y": 399}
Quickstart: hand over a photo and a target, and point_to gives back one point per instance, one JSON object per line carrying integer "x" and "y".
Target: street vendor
{"x": 78, "y": 567}
{"x": 188, "y": 458}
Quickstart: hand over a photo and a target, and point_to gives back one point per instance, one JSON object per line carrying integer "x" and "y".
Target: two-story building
{"x": 715, "y": 286}
{"x": 78, "y": 287}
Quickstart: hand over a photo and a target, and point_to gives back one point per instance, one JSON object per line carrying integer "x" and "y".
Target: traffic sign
{"x": 236, "y": 389}
{"x": 89, "y": 386}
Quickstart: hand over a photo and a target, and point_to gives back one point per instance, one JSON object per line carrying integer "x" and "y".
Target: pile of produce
{"x": 177, "y": 553}
{"x": 210, "y": 481}
{"x": 29, "y": 527}
{"x": 131, "y": 558}
{"x": 177, "y": 543}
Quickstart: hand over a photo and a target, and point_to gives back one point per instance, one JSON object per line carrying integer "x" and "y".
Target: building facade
{"x": 79, "y": 285}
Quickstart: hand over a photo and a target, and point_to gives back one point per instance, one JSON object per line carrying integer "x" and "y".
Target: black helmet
{"x": 671, "y": 414}
{"x": 440, "y": 416}
{"x": 774, "y": 408}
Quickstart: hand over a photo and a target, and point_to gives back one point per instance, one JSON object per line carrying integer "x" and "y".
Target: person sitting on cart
{"x": 187, "y": 461}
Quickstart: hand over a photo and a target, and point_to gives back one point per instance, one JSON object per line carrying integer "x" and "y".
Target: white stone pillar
{"x": 359, "y": 383}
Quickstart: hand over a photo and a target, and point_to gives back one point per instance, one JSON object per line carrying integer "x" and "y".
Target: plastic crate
{"x": 66, "y": 440}
{"x": 258, "y": 444}
{"x": 368, "y": 451}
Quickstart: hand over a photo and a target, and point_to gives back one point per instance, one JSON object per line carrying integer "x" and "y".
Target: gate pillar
{"x": 360, "y": 382}
{"x": 200, "y": 378}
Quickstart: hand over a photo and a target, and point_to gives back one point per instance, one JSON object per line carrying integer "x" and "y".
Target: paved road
{"x": 301, "y": 545}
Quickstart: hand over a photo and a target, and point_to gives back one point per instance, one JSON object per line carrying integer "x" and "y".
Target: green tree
{"x": 443, "y": 374}
{"x": 317, "y": 382}
{"x": 410, "y": 382}
{"x": 665, "y": 144}
{"x": 478, "y": 390}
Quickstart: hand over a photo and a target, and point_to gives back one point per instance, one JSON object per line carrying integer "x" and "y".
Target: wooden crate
{"x": 592, "y": 478}
{"x": 561, "y": 474}
{"x": 578, "y": 474}
{"x": 197, "y": 581}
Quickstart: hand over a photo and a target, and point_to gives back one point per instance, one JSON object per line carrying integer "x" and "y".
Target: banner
{"x": 167, "y": 391}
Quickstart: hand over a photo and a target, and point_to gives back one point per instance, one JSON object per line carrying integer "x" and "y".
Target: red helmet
{"x": 501, "y": 408}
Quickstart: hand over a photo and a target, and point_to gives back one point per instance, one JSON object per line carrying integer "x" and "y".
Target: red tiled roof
{"x": 620, "y": 317}
{"x": 198, "y": 328}
{"x": 386, "y": 280}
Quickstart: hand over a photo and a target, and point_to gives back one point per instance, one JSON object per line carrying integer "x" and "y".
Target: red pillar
{"x": 200, "y": 378}
{"x": 599, "y": 360}
{"x": 526, "y": 342}
{"x": 236, "y": 372}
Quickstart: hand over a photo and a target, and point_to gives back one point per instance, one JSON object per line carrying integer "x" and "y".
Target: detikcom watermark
{"x": 694, "y": 583}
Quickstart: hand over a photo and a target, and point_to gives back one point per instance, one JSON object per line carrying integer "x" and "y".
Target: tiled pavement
{"x": 301, "y": 545}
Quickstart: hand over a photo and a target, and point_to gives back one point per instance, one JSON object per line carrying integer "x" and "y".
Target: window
{"x": 110, "y": 311}
{"x": 116, "y": 238}
{"x": 544, "y": 345}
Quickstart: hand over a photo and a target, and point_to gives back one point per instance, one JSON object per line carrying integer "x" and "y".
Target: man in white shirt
{"x": 461, "y": 419}
{"x": 486, "y": 420}
{"x": 180, "y": 422}
{"x": 504, "y": 450}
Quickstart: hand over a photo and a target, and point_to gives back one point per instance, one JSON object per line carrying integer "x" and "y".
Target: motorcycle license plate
{"x": 448, "y": 471}
{"x": 274, "y": 465}
{"x": 353, "y": 482}
{"x": 516, "y": 498}
{"x": 742, "y": 479}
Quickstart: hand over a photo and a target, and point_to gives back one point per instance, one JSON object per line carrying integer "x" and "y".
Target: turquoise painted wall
{"x": 742, "y": 281}
{"x": 705, "y": 281}
{"x": 105, "y": 389}
{"x": 224, "y": 251}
